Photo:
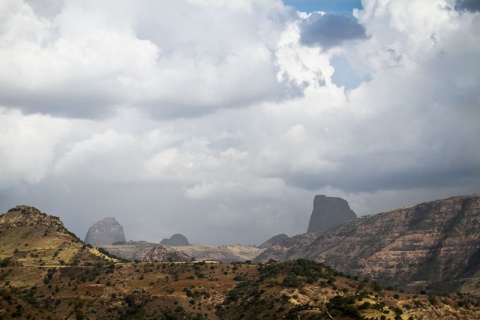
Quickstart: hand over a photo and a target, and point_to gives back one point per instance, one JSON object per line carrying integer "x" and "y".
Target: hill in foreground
{"x": 30, "y": 238}
{"x": 48, "y": 273}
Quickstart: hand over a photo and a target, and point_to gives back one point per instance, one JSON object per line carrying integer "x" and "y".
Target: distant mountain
{"x": 273, "y": 240}
{"x": 176, "y": 240}
{"x": 104, "y": 232}
{"x": 146, "y": 251}
{"x": 161, "y": 253}
{"x": 329, "y": 212}
{"x": 433, "y": 245}
{"x": 139, "y": 250}
{"x": 226, "y": 253}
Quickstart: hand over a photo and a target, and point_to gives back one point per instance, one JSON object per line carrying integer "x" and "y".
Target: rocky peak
{"x": 176, "y": 240}
{"x": 329, "y": 212}
{"x": 26, "y": 216}
{"x": 105, "y": 232}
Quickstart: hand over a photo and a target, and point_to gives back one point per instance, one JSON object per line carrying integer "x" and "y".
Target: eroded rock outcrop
{"x": 177, "y": 240}
{"x": 433, "y": 245}
{"x": 105, "y": 232}
{"x": 329, "y": 212}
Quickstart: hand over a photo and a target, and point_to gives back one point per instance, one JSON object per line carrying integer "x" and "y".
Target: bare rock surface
{"x": 176, "y": 240}
{"x": 105, "y": 232}
{"x": 329, "y": 212}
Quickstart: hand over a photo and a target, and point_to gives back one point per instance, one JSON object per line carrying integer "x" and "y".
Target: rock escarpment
{"x": 329, "y": 212}
{"x": 177, "y": 240}
{"x": 105, "y": 232}
{"x": 433, "y": 246}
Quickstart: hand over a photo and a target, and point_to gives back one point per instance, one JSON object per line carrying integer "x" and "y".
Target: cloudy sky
{"x": 222, "y": 119}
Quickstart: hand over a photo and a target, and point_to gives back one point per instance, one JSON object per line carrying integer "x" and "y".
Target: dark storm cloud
{"x": 358, "y": 180}
{"x": 468, "y": 5}
{"x": 330, "y": 30}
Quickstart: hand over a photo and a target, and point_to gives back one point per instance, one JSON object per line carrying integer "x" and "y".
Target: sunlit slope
{"x": 32, "y": 238}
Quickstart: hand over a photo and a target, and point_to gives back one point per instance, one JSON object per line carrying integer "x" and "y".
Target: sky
{"x": 222, "y": 119}
{"x": 329, "y": 6}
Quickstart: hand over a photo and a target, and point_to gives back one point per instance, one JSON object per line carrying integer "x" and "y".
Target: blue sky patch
{"x": 345, "y": 75}
{"x": 336, "y": 6}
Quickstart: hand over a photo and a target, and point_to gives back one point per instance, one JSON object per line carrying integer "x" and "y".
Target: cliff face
{"x": 434, "y": 245}
{"x": 329, "y": 212}
{"x": 105, "y": 232}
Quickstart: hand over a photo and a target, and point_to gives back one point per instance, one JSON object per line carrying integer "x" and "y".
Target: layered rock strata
{"x": 433, "y": 245}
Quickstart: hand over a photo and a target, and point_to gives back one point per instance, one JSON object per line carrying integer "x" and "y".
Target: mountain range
{"x": 108, "y": 234}
{"x": 433, "y": 246}
{"x": 46, "y": 272}
{"x": 387, "y": 266}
